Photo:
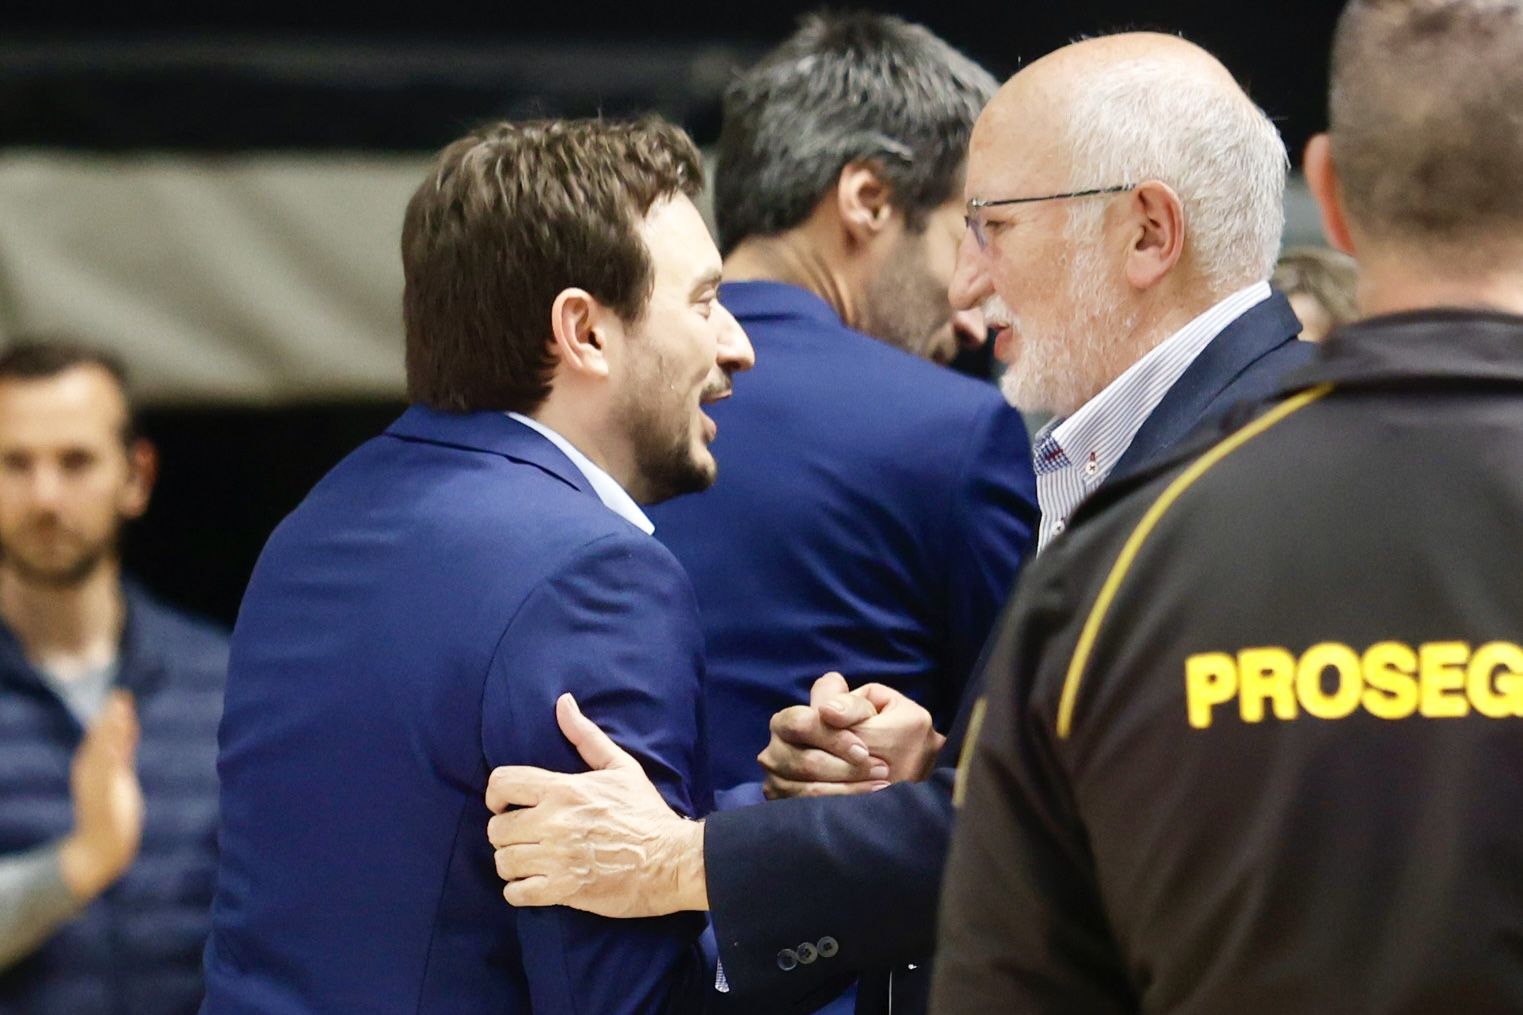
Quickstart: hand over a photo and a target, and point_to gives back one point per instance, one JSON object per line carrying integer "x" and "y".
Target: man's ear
{"x": 581, "y": 327}
{"x": 142, "y": 472}
{"x": 1322, "y": 181}
{"x": 1156, "y": 233}
{"x": 863, "y": 201}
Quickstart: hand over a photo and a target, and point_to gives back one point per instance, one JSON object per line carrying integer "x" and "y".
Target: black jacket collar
{"x": 1428, "y": 347}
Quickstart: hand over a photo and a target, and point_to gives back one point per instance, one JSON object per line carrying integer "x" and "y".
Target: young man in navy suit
{"x": 1123, "y": 256}
{"x": 411, "y": 625}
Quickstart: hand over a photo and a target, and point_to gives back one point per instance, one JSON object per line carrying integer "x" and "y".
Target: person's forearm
{"x": 34, "y": 901}
{"x": 89, "y": 868}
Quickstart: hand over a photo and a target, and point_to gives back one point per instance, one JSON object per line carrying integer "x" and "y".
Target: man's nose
{"x": 44, "y": 487}
{"x": 970, "y": 282}
{"x": 735, "y": 352}
{"x": 970, "y": 328}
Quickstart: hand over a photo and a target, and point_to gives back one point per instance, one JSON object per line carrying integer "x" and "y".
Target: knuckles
{"x": 504, "y": 865}
{"x": 788, "y": 762}
{"x": 808, "y": 767}
{"x": 794, "y": 723}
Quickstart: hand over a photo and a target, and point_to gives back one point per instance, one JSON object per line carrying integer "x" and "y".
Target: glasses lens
{"x": 976, "y": 227}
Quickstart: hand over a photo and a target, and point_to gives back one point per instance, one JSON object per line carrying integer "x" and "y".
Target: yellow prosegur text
{"x": 1389, "y": 680}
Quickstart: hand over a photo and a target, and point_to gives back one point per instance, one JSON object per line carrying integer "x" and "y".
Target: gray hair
{"x": 1154, "y": 120}
{"x": 844, "y": 88}
{"x": 1426, "y": 115}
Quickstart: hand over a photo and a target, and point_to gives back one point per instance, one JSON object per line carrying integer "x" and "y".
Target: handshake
{"x": 606, "y": 842}
{"x": 848, "y": 741}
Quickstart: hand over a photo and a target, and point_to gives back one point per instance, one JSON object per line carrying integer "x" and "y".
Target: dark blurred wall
{"x": 1279, "y": 50}
{"x": 227, "y": 476}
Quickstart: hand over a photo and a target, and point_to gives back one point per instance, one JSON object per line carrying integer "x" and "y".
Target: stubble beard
{"x": 658, "y": 424}
{"x": 903, "y": 306}
{"x": 71, "y": 572}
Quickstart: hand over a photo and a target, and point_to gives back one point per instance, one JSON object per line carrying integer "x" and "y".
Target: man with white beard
{"x": 1125, "y": 205}
{"x": 1124, "y": 212}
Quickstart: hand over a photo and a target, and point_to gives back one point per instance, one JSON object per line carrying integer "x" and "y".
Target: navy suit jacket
{"x": 870, "y": 514}
{"x": 407, "y": 629}
{"x": 866, "y": 871}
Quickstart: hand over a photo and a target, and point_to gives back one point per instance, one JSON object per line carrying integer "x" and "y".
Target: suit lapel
{"x": 1263, "y": 328}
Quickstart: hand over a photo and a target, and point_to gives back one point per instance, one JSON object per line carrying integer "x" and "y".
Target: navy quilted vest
{"x": 136, "y": 950}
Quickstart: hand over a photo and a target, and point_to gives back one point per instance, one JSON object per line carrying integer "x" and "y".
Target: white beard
{"x": 1059, "y": 365}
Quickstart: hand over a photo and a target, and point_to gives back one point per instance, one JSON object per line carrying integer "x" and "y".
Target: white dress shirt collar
{"x": 1073, "y": 456}
{"x": 605, "y": 486}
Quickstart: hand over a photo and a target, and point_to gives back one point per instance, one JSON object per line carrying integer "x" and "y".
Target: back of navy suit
{"x": 866, "y": 871}
{"x": 870, "y": 514}
{"x": 407, "y": 629}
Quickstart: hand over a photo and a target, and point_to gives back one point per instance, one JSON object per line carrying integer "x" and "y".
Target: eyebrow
{"x": 709, "y": 280}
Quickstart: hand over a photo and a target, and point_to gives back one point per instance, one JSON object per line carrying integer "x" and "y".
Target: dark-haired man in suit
{"x": 413, "y": 622}
{"x": 875, "y": 506}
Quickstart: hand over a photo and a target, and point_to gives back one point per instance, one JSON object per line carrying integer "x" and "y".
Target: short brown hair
{"x": 512, "y": 215}
{"x": 1426, "y": 117}
{"x": 40, "y": 357}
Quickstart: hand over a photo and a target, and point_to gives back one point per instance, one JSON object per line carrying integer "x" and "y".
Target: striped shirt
{"x": 1073, "y": 455}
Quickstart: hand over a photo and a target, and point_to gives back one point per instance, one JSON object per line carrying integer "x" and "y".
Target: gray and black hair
{"x": 844, "y": 88}
{"x": 1426, "y": 121}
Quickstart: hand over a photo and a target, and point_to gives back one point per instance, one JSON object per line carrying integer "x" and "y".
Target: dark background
{"x": 573, "y": 52}
{"x": 142, "y": 76}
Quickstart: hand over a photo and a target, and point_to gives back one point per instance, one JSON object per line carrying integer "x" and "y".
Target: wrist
{"x": 86, "y": 870}
{"x": 691, "y": 876}
{"x": 933, "y": 748}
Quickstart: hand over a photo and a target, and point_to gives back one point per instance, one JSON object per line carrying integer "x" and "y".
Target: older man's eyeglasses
{"x": 979, "y": 228}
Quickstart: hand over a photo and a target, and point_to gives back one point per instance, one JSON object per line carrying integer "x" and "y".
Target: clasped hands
{"x": 606, "y": 842}
{"x": 848, "y": 741}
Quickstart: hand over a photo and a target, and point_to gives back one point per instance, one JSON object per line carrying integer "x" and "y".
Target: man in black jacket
{"x": 1124, "y": 260}
{"x": 1252, "y": 737}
